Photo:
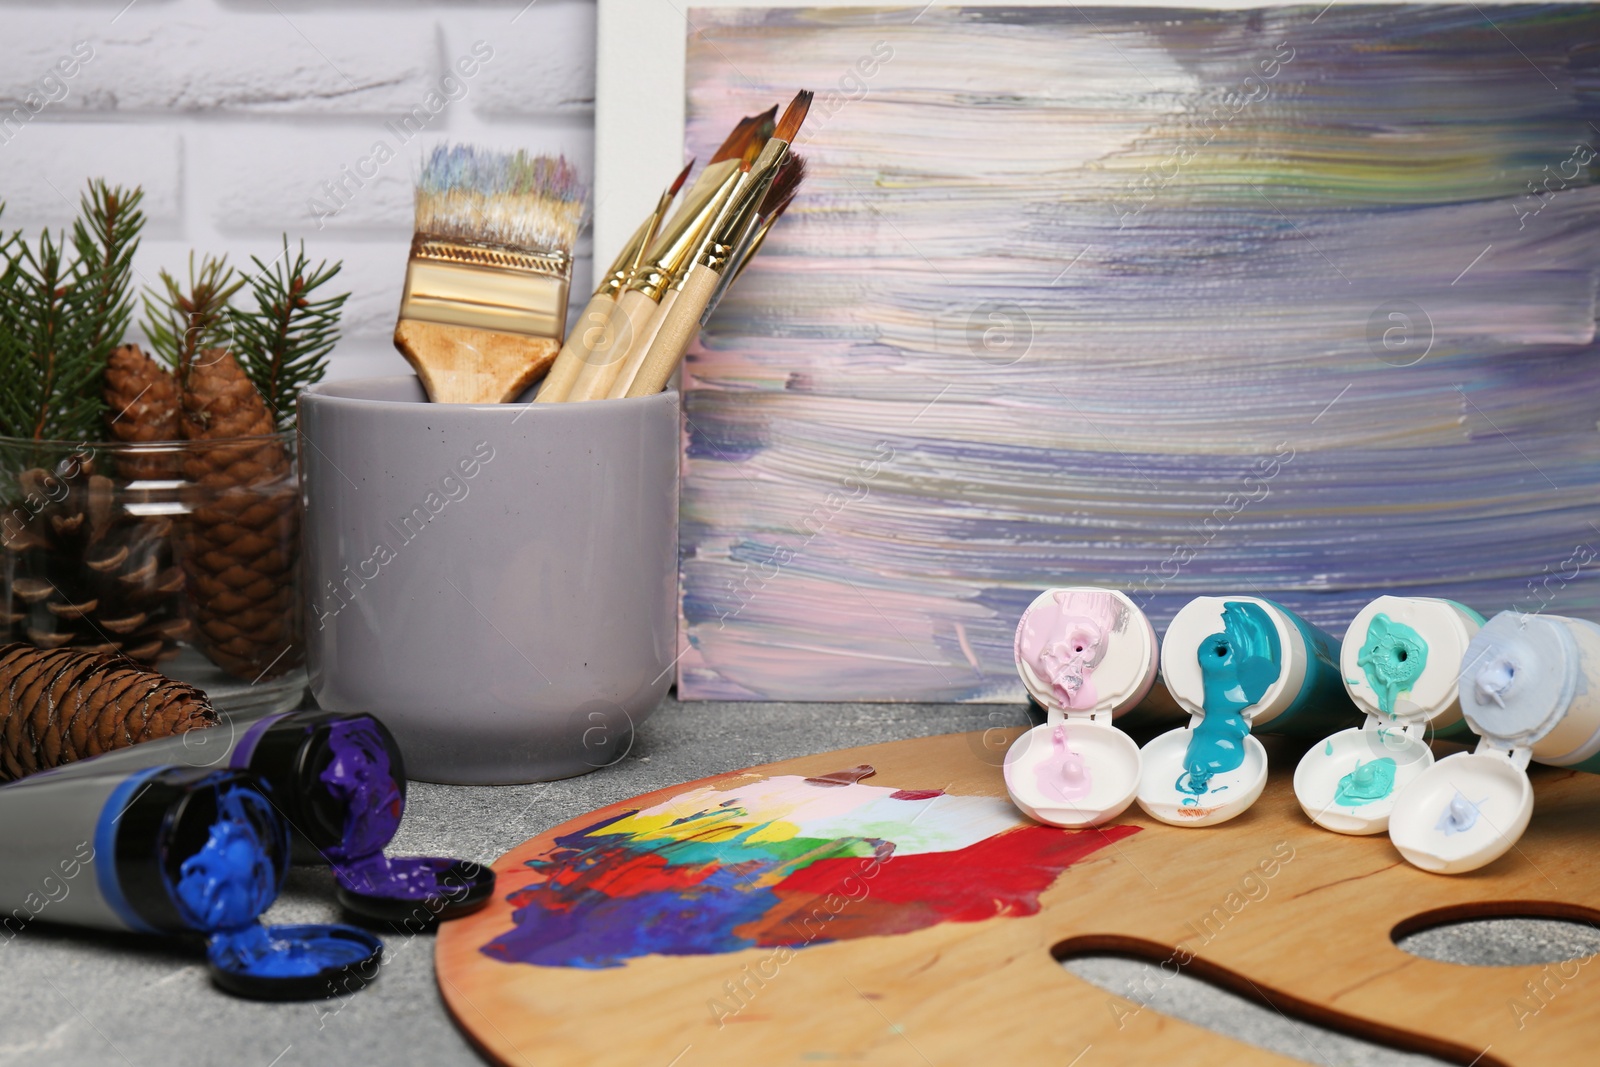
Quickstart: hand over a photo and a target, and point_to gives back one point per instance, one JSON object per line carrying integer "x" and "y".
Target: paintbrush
{"x": 713, "y": 259}
{"x": 595, "y": 322}
{"x": 779, "y": 196}
{"x": 485, "y": 302}
{"x": 632, "y": 323}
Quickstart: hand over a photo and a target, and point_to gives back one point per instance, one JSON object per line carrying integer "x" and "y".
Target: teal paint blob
{"x": 1369, "y": 782}
{"x": 1237, "y": 667}
{"x": 1392, "y": 659}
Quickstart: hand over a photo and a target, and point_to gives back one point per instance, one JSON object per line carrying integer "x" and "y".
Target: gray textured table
{"x": 72, "y": 998}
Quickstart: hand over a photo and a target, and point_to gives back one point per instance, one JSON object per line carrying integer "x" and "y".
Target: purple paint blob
{"x": 401, "y": 877}
{"x": 1064, "y": 774}
{"x": 359, "y": 775}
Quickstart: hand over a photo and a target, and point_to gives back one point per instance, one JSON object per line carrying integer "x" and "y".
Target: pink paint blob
{"x": 1064, "y": 774}
{"x": 1062, "y": 640}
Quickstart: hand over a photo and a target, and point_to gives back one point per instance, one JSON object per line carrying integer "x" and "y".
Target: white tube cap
{"x": 1226, "y": 795}
{"x": 1072, "y": 773}
{"x": 1464, "y": 812}
{"x": 1081, "y": 648}
{"x": 1349, "y": 782}
{"x": 1410, "y": 687}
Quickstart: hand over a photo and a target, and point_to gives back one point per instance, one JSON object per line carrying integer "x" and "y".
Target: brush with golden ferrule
{"x": 668, "y": 256}
{"x": 485, "y": 302}
{"x": 705, "y": 273}
{"x": 630, "y": 318}
{"x": 780, "y": 195}
{"x": 594, "y": 323}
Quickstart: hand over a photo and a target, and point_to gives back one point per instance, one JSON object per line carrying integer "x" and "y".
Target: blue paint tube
{"x": 1530, "y": 690}
{"x": 340, "y": 782}
{"x": 172, "y": 850}
{"x": 1238, "y": 665}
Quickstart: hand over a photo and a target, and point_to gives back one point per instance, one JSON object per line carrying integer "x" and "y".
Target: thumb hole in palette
{"x": 1144, "y": 978}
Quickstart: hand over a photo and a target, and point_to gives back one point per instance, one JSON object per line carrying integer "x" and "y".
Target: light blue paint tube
{"x": 1530, "y": 690}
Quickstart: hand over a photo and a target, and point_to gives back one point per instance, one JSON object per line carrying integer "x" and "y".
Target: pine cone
{"x": 141, "y": 406}
{"x": 59, "y": 706}
{"x": 82, "y": 570}
{"x": 242, "y": 542}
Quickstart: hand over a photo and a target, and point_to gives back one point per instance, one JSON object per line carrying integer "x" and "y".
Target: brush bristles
{"x": 752, "y": 129}
{"x": 793, "y": 116}
{"x": 500, "y": 198}
{"x": 682, "y": 177}
{"x": 785, "y": 184}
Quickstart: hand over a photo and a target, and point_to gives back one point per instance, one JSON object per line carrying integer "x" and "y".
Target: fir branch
{"x": 283, "y": 344}
{"x": 61, "y": 315}
{"x": 182, "y": 323}
{"x": 106, "y": 235}
{"x": 15, "y": 368}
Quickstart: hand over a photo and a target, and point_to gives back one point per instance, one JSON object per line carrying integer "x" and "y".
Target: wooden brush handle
{"x": 461, "y": 365}
{"x": 676, "y": 334}
{"x": 630, "y": 320}
{"x": 641, "y": 345}
{"x": 589, "y": 332}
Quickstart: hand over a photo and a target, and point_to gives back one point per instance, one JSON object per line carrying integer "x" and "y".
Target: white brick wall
{"x": 238, "y": 117}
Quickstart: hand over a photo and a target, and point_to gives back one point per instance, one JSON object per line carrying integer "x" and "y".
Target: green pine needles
{"x": 65, "y": 305}
{"x": 283, "y": 343}
{"x": 183, "y": 322}
{"x": 63, "y": 308}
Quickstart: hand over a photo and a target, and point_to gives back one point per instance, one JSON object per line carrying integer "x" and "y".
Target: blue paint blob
{"x": 1458, "y": 816}
{"x": 232, "y": 878}
{"x": 224, "y": 886}
{"x": 1368, "y": 782}
{"x": 1237, "y": 667}
{"x": 359, "y": 775}
{"x": 266, "y": 952}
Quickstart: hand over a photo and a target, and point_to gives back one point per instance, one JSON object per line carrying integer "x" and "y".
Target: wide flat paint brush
{"x": 713, "y": 258}
{"x": 485, "y": 302}
{"x": 595, "y": 324}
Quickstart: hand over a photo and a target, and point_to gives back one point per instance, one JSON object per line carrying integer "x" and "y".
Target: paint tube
{"x": 171, "y": 850}
{"x": 340, "y": 782}
{"x": 1527, "y": 692}
{"x": 1400, "y": 661}
{"x": 1237, "y": 665}
{"x": 1087, "y": 655}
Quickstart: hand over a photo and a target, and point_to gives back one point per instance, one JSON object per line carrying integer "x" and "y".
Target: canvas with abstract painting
{"x": 1296, "y": 301}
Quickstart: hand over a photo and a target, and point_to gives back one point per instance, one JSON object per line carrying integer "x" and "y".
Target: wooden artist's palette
{"x": 669, "y": 936}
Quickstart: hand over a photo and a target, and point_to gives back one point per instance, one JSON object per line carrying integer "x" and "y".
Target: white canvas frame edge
{"x": 639, "y": 93}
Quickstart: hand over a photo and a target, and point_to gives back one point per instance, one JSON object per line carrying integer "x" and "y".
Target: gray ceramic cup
{"x": 497, "y": 583}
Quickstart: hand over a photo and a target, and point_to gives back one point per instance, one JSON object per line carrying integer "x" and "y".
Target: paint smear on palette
{"x": 782, "y": 861}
